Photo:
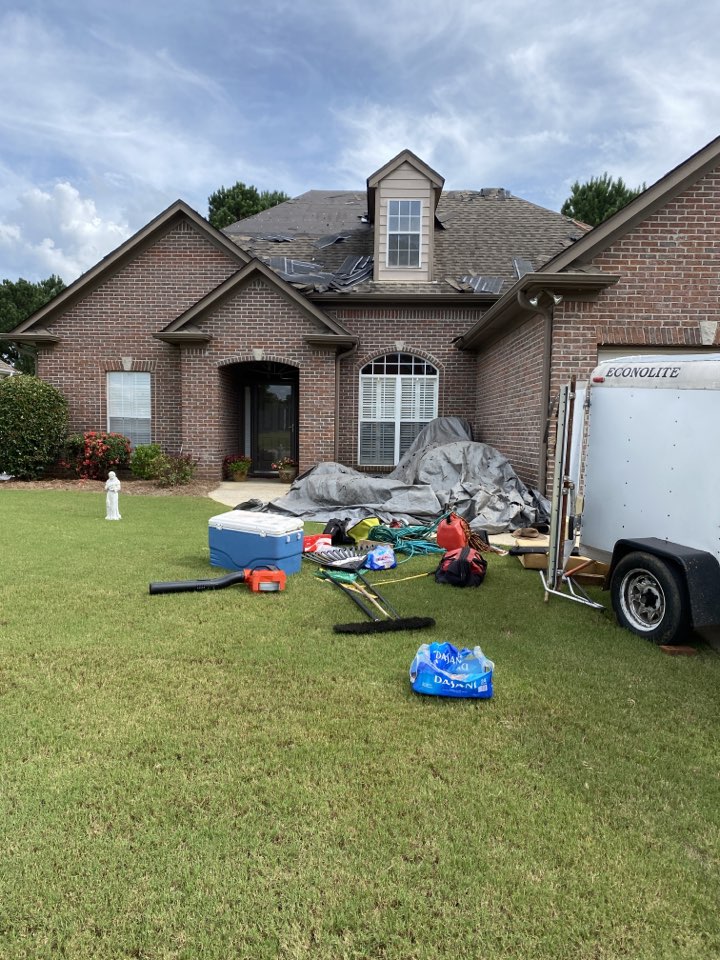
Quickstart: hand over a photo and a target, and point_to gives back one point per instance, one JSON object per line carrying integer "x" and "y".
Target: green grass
{"x": 217, "y": 775}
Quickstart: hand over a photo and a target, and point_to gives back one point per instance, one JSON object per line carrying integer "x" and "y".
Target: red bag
{"x": 453, "y": 532}
{"x": 462, "y": 568}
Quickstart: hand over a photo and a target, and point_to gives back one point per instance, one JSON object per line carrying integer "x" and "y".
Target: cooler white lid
{"x": 263, "y": 524}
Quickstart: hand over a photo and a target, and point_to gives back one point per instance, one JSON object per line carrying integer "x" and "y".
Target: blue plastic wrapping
{"x": 381, "y": 558}
{"x": 440, "y": 669}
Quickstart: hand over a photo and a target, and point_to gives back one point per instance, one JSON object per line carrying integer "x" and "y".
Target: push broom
{"x": 382, "y": 616}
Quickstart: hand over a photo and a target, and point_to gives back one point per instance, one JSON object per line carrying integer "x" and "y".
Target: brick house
{"x": 644, "y": 281}
{"x": 322, "y": 329}
{"x": 335, "y": 325}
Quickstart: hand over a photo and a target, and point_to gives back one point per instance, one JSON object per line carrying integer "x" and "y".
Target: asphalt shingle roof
{"x": 477, "y": 233}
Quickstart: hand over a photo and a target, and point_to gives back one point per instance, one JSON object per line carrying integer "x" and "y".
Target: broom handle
{"x": 389, "y": 610}
{"x": 368, "y": 596}
{"x": 353, "y": 596}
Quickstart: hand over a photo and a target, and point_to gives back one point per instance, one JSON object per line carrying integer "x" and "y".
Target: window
{"x": 404, "y": 218}
{"x": 128, "y": 397}
{"x": 398, "y": 396}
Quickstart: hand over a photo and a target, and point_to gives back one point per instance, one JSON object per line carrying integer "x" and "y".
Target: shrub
{"x": 143, "y": 462}
{"x": 33, "y": 425}
{"x": 173, "y": 471}
{"x": 95, "y": 453}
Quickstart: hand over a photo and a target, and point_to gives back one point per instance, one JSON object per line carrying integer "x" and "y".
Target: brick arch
{"x": 251, "y": 358}
{"x": 645, "y": 335}
{"x": 115, "y": 365}
{"x": 407, "y": 348}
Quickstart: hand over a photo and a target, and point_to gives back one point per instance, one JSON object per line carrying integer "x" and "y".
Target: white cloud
{"x": 633, "y": 92}
{"x": 59, "y": 232}
{"x": 132, "y": 109}
{"x": 105, "y": 108}
{"x": 466, "y": 155}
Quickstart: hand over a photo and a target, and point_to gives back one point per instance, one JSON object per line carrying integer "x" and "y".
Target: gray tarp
{"x": 443, "y": 469}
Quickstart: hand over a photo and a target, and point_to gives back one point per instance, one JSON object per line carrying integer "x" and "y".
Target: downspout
{"x": 545, "y": 311}
{"x": 339, "y": 357}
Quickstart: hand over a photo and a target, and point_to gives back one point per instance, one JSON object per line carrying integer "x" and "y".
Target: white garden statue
{"x": 112, "y": 488}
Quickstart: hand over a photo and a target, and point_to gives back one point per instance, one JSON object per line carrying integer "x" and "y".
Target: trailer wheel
{"x": 648, "y": 597}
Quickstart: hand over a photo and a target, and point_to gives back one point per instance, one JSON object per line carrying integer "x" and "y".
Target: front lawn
{"x": 219, "y": 775}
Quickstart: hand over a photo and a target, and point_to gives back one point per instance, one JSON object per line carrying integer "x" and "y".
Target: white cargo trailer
{"x": 643, "y": 441}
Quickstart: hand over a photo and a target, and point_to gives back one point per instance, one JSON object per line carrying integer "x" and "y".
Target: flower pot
{"x": 287, "y": 475}
{"x": 239, "y": 473}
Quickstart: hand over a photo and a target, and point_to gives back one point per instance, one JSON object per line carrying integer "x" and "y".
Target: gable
{"x": 406, "y": 159}
{"x": 188, "y": 326}
{"x": 178, "y": 253}
{"x": 659, "y": 249}
{"x": 649, "y": 202}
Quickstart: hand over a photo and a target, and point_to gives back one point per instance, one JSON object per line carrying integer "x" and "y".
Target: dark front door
{"x": 274, "y": 412}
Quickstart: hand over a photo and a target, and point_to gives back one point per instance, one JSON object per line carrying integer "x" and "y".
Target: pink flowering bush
{"x": 95, "y": 453}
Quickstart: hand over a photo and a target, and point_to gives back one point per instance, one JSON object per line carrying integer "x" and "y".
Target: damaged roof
{"x": 484, "y": 239}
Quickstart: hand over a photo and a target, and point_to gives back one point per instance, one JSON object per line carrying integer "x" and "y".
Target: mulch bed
{"x": 144, "y": 487}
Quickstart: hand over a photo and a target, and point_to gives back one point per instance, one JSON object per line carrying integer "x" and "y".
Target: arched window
{"x": 398, "y": 396}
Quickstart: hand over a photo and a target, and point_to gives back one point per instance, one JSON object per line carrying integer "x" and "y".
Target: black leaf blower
{"x": 259, "y": 581}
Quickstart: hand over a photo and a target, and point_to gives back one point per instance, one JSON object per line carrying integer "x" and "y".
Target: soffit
{"x": 514, "y": 307}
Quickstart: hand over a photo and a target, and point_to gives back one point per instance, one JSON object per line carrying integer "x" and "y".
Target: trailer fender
{"x": 699, "y": 569}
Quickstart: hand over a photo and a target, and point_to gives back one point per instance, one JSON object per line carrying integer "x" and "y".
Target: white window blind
{"x": 398, "y": 396}
{"x": 129, "y": 406}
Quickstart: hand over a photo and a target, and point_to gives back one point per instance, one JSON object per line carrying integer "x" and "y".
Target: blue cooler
{"x": 246, "y": 540}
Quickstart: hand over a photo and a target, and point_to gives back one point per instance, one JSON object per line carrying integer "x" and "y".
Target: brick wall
{"x": 257, "y": 323}
{"x": 427, "y": 332}
{"x": 117, "y": 318}
{"x": 668, "y": 293}
{"x": 510, "y": 409}
{"x": 669, "y": 267}
{"x": 197, "y": 391}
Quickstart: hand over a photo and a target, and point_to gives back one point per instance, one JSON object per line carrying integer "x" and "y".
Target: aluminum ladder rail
{"x": 562, "y": 513}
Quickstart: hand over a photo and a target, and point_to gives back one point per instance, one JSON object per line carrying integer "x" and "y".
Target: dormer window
{"x": 404, "y": 229}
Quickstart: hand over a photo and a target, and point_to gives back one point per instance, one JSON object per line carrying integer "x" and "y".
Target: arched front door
{"x": 271, "y": 413}
{"x": 260, "y": 404}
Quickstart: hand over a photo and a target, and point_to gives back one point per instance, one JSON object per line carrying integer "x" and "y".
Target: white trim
{"x": 108, "y": 395}
{"x": 652, "y": 350}
{"x": 248, "y": 422}
{"x": 403, "y": 233}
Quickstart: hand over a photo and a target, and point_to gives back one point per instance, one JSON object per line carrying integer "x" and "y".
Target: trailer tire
{"x": 649, "y": 598}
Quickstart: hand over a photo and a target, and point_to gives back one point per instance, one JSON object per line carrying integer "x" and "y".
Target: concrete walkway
{"x": 231, "y": 493}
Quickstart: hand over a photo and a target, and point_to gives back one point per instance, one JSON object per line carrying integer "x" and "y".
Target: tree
{"x": 230, "y": 204}
{"x": 598, "y": 199}
{"x": 17, "y": 301}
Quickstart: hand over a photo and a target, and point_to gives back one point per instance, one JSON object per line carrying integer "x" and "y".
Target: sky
{"x": 111, "y": 111}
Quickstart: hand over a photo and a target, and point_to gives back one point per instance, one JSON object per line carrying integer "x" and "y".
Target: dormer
{"x": 402, "y": 197}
